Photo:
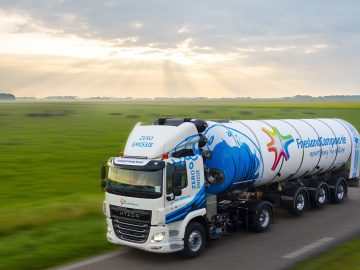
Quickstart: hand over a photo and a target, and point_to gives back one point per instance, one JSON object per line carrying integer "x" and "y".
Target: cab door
{"x": 185, "y": 175}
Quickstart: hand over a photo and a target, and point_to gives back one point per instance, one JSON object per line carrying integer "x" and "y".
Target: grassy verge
{"x": 344, "y": 256}
{"x": 54, "y": 244}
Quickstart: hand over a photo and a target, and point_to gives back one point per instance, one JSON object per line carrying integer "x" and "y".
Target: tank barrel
{"x": 260, "y": 152}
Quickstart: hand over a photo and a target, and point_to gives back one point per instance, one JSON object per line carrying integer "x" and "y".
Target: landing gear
{"x": 194, "y": 240}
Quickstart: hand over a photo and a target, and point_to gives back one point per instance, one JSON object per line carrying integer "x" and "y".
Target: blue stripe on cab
{"x": 197, "y": 203}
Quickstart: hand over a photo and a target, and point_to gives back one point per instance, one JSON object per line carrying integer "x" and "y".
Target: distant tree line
{"x": 337, "y": 97}
{"x": 62, "y": 97}
{"x": 5, "y": 96}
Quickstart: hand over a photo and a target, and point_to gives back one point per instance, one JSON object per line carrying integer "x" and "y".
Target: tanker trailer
{"x": 274, "y": 152}
{"x": 180, "y": 182}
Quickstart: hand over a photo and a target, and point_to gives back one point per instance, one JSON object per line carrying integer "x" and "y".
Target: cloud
{"x": 316, "y": 48}
{"x": 279, "y": 48}
{"x": 223, "y": 26}
{"x": 184, "y": 29}
{"x": 42, "y": 41}
{"x": 137, "y": 25}
{"x": 295, "y": 48}
{"x": 233, "y": 48}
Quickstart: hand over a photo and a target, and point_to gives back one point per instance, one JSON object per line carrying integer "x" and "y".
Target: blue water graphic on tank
{"x": 238, "y": 164}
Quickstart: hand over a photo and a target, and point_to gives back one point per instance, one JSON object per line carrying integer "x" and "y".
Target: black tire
{"x": 262, "y": 218}
{"x": 194, "y": 240}
{"x": 299, "y": 202}
{"x": 320, "y": 196}
{"x": 339, "y": 192}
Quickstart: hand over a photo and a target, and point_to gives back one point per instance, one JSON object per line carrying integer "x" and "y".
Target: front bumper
{"x": 165, "y": 246}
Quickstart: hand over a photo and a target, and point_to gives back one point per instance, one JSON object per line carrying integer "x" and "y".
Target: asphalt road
{"x": 289, "y": 240}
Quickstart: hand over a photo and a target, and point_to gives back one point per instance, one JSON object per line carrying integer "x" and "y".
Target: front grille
{"x": 131, "y": 224}
{"x": 131, "y": 231}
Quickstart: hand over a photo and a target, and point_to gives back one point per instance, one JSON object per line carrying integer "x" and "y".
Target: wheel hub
{"x": 340, "y": 192}
{"x": 195, "y": 240}
{"x": 264, "y": 218}
{"x": 300, "y": 201}
{"x": 321, "y": 195}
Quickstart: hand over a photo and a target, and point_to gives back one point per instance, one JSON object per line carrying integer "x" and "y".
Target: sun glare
{"x": 38, "y": 40}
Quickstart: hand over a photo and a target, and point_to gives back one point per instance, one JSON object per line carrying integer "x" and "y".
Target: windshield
{"x": 135, "y": 183}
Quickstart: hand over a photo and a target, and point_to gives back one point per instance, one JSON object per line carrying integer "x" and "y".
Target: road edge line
{"x": 307, "y": 248}
{"x": 90, "y": 260}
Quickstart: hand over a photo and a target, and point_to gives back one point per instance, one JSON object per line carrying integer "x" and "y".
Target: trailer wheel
{"x": 320, "y": 196}
{"x": 262, "y": 218}
{"x": 299, "y": 202}
{"x": 194, "y": 240}
{"x": 339, "y": 192}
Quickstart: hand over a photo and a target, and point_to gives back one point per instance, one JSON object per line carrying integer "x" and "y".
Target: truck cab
{"x": 152, "y": 193}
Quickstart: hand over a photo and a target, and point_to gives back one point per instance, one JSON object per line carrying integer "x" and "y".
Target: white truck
{"x": 181, "y": 182}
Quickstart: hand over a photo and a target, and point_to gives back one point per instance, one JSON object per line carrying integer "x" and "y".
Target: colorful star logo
{"x": 279, "y": 145}
{"x": 122, "y": 201}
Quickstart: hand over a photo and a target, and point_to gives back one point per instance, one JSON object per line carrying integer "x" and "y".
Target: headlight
{"x": 157, "y": 237}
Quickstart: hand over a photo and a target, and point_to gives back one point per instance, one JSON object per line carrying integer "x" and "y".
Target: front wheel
{"x": 194, "y": 240}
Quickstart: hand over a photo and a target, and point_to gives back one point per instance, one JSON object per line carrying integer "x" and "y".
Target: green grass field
{"x": 345, "y": 256}
{"x": 51, "y": 202}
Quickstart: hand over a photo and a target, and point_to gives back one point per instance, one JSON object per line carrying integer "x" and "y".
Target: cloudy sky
{"x": 152, "y": 48}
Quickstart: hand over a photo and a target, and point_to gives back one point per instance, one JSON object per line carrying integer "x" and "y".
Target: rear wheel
{"x": 299, "y": 202}
{"x": 320, "y": 196}
{"x": 339, "y": 192}
{"x": 194, "y": 240}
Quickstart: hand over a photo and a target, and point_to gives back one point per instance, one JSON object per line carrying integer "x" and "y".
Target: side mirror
{"x": 177, "y": 179}
{"x": 177, "y": 191}
{"x": 103, "y": 177}
{"x": 176, "y": 185}
{"x": 103, "y": 172}
{"x": 103, "y": 185}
